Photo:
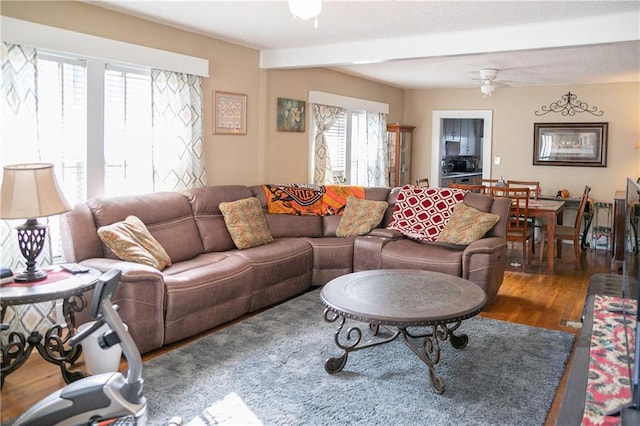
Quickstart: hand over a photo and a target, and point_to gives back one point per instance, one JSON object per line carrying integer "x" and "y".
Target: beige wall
{"x": 287, "y": 157}
{"x": 263, "y": 154}
{"x": 513, "y": 118}
{"x": 266, "y": 155}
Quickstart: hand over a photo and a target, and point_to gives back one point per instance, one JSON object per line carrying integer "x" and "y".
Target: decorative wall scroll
{"x": 569, "y": 105}
{"x": 230, "y": 111}
{"x": 570, "y": 144}
{"x": 291, "y": 115}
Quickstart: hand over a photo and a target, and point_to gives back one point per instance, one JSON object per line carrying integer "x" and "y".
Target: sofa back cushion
{"x": 330, "y": 223}
{"x": 205, "y": 203}
{"x": 421, "y": 213}
{"x": 288, "y": 225}
{"x": 167, "y": 216}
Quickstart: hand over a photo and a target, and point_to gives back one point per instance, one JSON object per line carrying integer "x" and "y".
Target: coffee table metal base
{"x": 425, "y": 344}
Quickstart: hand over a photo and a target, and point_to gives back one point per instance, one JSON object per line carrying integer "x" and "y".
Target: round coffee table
{"x": 399, "y": 299}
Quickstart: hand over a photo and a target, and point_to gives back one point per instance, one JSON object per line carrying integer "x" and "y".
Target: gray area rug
{"x": 269, "y": 369}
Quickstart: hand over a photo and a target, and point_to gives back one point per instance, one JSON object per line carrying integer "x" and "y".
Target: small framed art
{"x": 291, "y": 115}
{"x": 230, "y": 111}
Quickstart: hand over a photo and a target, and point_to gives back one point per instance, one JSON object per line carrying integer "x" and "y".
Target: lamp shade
{"x": 30, "y": 191}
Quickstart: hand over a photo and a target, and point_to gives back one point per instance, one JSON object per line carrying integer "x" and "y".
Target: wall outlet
{"x": 497, "y": 160}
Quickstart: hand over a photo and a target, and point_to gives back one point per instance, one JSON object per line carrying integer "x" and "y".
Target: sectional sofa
{"x": 211, "y": 281}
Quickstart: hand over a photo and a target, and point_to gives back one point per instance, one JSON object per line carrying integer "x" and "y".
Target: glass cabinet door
{"x": 400, "y": 141}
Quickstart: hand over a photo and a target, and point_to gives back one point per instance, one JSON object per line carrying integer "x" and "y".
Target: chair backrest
{"x": 581, "y": 207}
{"x": 533, "y": 185}
{"x": 422, "y": 182}
{"x": 484, "y": 181}
{"x": 481, "y": 189}
{"x": 519, "y": 206}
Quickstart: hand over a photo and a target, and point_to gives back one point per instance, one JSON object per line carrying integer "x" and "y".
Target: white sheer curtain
{"x": 178, "y": 155}
{"x": 323, "y": 116}
{"x": 19, "y": 137}
{"x": 377, "y": 150}
{"x": 19, "y": 144}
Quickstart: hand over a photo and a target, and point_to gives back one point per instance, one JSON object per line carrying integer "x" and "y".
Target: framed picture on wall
{"x": 570, "y": 144}
{"x": 230, "y": 111}
{"x": 291, "y": 115}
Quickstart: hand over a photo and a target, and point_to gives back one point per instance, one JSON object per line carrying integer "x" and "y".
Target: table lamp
{"x": 30, "y": 191}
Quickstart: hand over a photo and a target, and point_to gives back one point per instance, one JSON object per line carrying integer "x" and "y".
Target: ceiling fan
{"x": 489, "y": 83}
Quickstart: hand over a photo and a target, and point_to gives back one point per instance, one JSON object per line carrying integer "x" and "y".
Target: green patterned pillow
{"x": 360, "y": 216}
{"x": 130, "y": 240}
{"x": 246, "y": 222}
{"x": 467, "y": 225}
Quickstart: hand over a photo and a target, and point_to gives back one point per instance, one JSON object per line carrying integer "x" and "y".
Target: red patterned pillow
{"x": 421, "y": 213}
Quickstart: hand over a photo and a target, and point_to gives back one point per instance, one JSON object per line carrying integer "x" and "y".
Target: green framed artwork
{"x": 291, "y": 115}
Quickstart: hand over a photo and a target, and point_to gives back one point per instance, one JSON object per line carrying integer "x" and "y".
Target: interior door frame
{"x": 437, "y": 121}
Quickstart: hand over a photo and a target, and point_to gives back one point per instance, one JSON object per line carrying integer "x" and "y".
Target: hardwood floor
{"x": 533, "y": 298}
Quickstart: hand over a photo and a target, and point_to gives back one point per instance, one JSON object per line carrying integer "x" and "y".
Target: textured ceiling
{"x": 424, "y": 44}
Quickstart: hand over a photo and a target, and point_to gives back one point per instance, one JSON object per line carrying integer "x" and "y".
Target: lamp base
{"x": 30, "y": 276}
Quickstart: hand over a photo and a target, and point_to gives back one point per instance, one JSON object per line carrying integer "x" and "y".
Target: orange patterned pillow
{"x": 467, "y": 225}
{"x": 130, "y": 240}
{"x": 246, "y": 222}
{"x": 360, "y": 216}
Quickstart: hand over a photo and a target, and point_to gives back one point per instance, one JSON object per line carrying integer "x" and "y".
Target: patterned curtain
{"x": 19, "y": 144}
{"x": 377, "y": 150}
{"x": 178, "y": 152}
{"x": 324, "y": 116}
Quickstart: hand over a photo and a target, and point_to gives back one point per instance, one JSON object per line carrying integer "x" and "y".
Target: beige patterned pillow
{"x": 130, "y": 240}
{"x": 246, "y": 222}
{"x": 360, "y": 216}
{"x": 467, "y": 225}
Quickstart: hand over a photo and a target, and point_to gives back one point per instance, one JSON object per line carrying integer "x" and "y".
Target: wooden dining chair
{"x": 564, "y": 232}
{"x": 422, "y": 182}
{"x": 533, "y": 185}
{"x": 480, "y": 189}
{"x": 518, "y": 226}
{"x": 484, "y": 181}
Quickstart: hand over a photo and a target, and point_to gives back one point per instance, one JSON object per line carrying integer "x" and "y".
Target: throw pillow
{"x": 360, "y": 216}
{"x": 467, "y": 225}
{"x": 421, "y": 213}
{"x": 246, "y": 222}
{"x": 130, "y": 240}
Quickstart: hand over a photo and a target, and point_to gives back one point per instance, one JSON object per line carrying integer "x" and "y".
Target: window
{"x": 353, "y": 147}
{"x": 346, "y": 141}
{"x": 127, "y": 132}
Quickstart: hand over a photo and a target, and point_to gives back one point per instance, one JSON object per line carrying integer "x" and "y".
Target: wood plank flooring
{"x": 533, "y": 298}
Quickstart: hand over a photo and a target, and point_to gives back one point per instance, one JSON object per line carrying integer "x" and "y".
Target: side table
{"x": 52, "y": 346}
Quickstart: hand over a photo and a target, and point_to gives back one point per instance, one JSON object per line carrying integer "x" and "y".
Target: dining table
{"x": 553, "y": 212}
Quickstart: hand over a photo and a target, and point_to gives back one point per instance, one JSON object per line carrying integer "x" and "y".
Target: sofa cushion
{"x": 130, "y": 240}
{"x": 209, "y": 219}
{"x": 246, "y": 223}
{"x": 467, "y": 225}
{"x": 422, "y": 212}
{"x": 360, "y": 216}
{"x": 167, "y": 215}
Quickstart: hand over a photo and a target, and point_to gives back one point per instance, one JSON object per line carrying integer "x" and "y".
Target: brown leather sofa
{"x": 212, "y": 282}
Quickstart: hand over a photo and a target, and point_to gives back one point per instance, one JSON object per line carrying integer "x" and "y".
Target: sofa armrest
{"x": 367, "y": 249}
{"x": 484, "y": 262}
{"x": 140, "y": 296}
{"x": 385, "y": 233}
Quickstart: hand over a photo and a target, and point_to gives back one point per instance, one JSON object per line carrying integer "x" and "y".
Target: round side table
{"x": 52, "y": 346}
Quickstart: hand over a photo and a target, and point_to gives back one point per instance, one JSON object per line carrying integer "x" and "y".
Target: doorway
{"x": 438, "y": 134}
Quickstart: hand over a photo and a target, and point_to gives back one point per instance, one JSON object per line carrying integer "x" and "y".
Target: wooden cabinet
{"x": 400, "y": 139}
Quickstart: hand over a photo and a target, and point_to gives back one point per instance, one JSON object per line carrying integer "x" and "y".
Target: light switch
{"x": 497, "y": 160}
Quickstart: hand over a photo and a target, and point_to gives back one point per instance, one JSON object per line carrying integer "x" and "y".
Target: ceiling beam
{"x": 576, "y": 32}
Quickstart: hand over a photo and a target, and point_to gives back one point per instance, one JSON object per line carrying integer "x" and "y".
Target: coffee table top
{"x": 402, "y": 297}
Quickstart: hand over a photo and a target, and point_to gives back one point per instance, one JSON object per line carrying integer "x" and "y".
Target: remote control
{"x": 74, "y": 268}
